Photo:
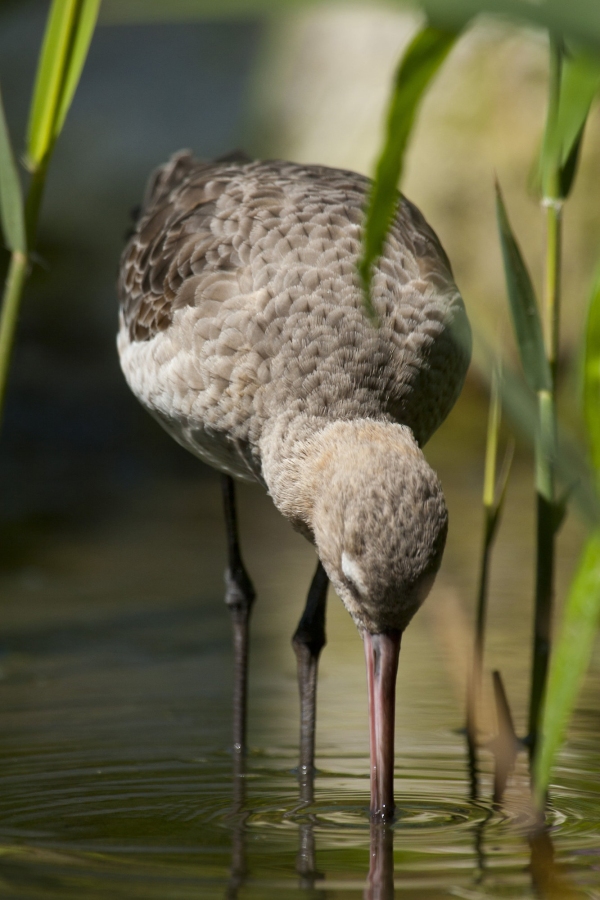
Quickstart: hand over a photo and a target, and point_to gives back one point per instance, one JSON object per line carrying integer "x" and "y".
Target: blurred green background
{"x": 309, "y": 84}
{"x": 73, "y": 436}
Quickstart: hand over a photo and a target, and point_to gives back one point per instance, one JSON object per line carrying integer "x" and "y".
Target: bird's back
{"x": 241, "y": 301}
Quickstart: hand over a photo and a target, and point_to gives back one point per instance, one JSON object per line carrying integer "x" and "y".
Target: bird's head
{"x": 379, "y": 522}
{"x": 363, "y": 491}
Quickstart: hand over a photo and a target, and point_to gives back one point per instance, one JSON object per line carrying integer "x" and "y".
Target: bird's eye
{"x": 354, "y": 573}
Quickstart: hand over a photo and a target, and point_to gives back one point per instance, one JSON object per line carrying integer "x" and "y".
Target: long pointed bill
{"x": 381, "y": 653}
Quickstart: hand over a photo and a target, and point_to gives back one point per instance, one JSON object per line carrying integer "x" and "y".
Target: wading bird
{"x": 243, "y": 331}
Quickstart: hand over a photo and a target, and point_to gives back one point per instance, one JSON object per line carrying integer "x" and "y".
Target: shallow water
{"x": 116, "y": 779}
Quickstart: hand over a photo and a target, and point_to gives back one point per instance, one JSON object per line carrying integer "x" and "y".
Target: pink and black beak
{"x": 381, "y": 653}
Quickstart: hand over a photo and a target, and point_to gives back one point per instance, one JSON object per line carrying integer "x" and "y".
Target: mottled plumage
{"x": 240, "y": 302}
{"x": 243, "y": 331}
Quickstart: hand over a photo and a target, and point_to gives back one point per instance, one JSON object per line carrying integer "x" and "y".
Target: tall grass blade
{"x": 572, "y": 468}
{"x": 11, "y": 196}
{"x": 84, "y": 29}
{"x": 422, "y": 59}
{"x": 503, "y": 480}
{"x": 66, "y": 41}
{"x": 493, "y": 502}
{"x": 571, "y": 656}
{"x": 579, "y": 83}
{"x": 50, "y": 78}
{"x": 582, "y": 608}
{"x": 580, "y": 19}
{"x": 9, "y": 312}
{"x": 523, "y": 306}
{"x": 591, "y": 380}
{"x": 491, "y": 444}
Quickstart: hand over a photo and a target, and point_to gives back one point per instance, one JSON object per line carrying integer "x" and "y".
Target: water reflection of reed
{"x": 547, "y": 879}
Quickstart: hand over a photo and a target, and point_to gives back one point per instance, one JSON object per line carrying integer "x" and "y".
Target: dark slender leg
{"x": 239, "y": 597}
{"x": 308, "y": 641}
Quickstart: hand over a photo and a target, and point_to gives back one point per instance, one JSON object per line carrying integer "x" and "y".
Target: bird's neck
{"x": 302, "y": 456}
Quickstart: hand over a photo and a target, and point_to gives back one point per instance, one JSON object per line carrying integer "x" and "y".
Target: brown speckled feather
{"x": 240, "y": 302}
{"x": 243, "y": 331}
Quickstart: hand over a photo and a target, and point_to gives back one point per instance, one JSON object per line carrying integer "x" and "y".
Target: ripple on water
{"x": 61, "y": 795}
{"x": 174, "y": 819}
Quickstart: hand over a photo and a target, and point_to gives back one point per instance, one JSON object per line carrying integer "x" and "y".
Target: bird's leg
{"x": 239, "y": 597}
{"x": 308, "y": 641}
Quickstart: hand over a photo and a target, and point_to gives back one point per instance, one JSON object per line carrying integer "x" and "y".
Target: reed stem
{"x": 69, "y": 29}
{"x": 493, "y": 501}
{"x": 545, "y": 451}
{"x": 18, "y": 271}
{"x": 13, "y": 290}
{"x": 489, "y": 528}
{"x": 475, "y": 680}
{"x": 34, "y": 200}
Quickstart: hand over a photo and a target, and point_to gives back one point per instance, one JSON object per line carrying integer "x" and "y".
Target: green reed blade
{"x": 423, "y": 58}
{"x": 11, "y": 196}
{"x": 523, "y": 305}
{"x": 579, "y": 19}
{"x": 520, "y": 405}
{"x": 591, "y": 380}
{"x": 492, "y": 506}
{"x": 505, "y": 475}
{"x": 579, "y": 85}
{"x": 491, "y": 444}
{"x": 50, "y": 78}
{"x": 491, "y": 518}
{"x": 66, "y": 40}
{"x": 582, "y": 609}
{"x": 579, "y": 81}
{"x": 84, "y": 29}
{"x": 571, "y": 656}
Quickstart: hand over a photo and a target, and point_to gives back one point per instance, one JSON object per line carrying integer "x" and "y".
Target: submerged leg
{"x": 239, "y": 597}
{"x": 308, "y": 641}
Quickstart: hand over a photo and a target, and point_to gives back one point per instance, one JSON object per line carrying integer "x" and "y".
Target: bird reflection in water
{"x": 306, "y": 865}
{"x": 380, "y": 881}
{"x": 548, "y": 879}
{"x": 239, "y": 816}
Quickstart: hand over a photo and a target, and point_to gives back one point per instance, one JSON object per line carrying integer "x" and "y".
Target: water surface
{"x": 116, "y": 778}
